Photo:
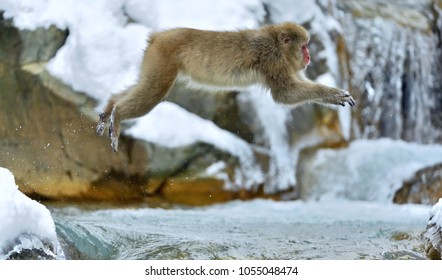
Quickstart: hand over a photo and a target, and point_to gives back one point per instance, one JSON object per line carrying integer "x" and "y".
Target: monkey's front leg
{"x": 305, "y": 91}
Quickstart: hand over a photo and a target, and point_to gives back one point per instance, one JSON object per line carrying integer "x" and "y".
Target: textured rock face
{"x": 47, "y": 136}
{"x": 19, "y": 47}
{"x": 425, "y": 187}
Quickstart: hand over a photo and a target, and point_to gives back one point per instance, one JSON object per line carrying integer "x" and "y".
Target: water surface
{"x": 258, "y": 229}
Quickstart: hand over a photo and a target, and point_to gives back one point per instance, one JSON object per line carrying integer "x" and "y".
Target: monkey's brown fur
{"x": 274, "y": 56}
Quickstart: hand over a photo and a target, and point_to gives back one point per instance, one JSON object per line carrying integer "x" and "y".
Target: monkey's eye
{"x": 304, "y": 47}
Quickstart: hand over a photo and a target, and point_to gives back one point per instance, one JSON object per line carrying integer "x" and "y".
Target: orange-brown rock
{"x": 425, "y": 187}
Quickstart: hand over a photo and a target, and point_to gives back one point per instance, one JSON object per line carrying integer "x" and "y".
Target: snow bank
{"x": 172, "y": 126}
{"x": 181, "y": 128}
{"x": 433, "y": 235}
{"x": 370, "y": 170}
{"x": 436, "y": 214}
{"x": 24, "y": 223}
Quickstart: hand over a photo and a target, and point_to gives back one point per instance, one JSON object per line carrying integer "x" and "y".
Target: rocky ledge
{"x": 425, "y": 187}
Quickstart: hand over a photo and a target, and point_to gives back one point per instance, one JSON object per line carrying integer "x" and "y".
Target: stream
{"x": 257, "y": 229}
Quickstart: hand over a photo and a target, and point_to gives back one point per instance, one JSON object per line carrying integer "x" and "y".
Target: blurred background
{"x": 61, "y": 60}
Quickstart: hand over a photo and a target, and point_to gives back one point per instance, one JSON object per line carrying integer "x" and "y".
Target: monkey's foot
{"x": 112, "y": 133}
{"x": 114, "y": 141}
{"x": 101, "y": 124}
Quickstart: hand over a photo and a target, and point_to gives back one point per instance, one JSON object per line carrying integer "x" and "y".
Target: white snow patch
{"x": 172, "y": 126}
{"x": 210, "y": 15}
{"x": 25, "y": 223}
{"x": 273, "y": 118}
{"x": 436, "y": 214}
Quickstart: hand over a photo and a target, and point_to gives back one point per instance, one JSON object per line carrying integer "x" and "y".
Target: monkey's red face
{"x": 306, "y": 55}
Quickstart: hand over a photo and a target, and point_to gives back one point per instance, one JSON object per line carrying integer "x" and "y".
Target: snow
{"x": 175, "y": 123}
{"x": 434, "y": 226}
{"x": 25, "y": 223}
{"x": 181, "y": 128}
{"x": 210, "y": 15}
{"x": 273, "y": 118}
{"x": 436, "y": 214}
{"x": 368, "y": 170}
{"x": 289, "y": 10}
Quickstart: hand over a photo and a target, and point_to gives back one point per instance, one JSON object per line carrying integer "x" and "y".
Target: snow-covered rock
{"x": 26, "y": 226}
{"x": 433, "y": 235}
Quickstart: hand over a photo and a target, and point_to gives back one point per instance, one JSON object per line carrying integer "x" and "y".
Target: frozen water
{"x": 370, "y": 170}
{"x": 394, "y": 69}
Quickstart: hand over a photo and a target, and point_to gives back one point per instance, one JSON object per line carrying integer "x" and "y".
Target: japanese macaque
{"x": 274, "y": 56}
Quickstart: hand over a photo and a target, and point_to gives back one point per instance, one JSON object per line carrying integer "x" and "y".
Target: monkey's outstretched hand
{"x": 341, "y": 98}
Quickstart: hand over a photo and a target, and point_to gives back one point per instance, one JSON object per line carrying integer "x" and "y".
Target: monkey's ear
{"x": 286, "y": 39}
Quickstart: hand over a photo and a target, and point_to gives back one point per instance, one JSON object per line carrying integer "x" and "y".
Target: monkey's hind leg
{"x": 139, "y": 101}
{"x": 101, "y": 124}
{"x": 113, "y": 130}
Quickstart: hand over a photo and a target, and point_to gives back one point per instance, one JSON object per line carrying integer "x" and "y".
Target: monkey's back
{"x": 211, "y": 57}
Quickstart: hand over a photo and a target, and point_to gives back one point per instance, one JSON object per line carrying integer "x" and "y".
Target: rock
{"x": 30, "y": 247}
{"x": 433, "y": 234}
{"x": 43, "y": 141}
{"x": 30, "y": 254}
{"x": 25, "y": 46}
{"x": 200, "y": 174}
{"x": 424, "y": 187}
{"x": 47, "y": 135}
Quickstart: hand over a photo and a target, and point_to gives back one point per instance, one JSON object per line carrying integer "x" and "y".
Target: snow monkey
{"x": 274, "y": 56}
